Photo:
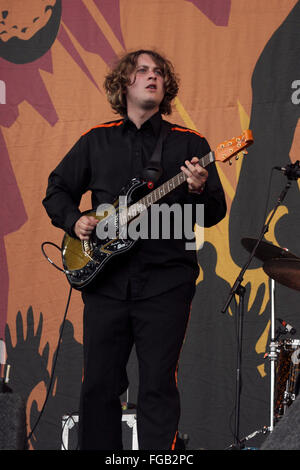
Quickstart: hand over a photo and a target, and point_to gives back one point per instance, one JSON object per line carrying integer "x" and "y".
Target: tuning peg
{"x": 244, "y": 152}
{"x": 237, "y": 157}
{"x": 230, "y": 162}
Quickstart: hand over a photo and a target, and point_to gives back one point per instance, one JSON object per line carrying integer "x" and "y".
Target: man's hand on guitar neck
{"x": 84, "y": 226}
{"x": 197, "y": 175}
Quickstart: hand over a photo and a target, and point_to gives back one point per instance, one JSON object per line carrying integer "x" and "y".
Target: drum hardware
{"x": 278, "y": 267}
{"x": 285, "y": 382}
{"x": 266, "y": 251}
{"x": 284, "y": 354}
{"x": 280, "y": 397}
{"x": 276, "y": 261}
{"x": 285, "y": 271}
{"x": 243, "y": 441}
{"x": 287, "y": 329}
{"x": 238, "y": 289}
{"x": 287, "y": 376}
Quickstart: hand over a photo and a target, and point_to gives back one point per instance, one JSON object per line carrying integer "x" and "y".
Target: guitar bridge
{"x": 88, "y": 250}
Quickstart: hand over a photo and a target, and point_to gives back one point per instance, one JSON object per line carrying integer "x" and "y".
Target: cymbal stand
{"x": 273, "y": 357}
{"x": 272, "y": 354}
{"x": 238, "y": 289}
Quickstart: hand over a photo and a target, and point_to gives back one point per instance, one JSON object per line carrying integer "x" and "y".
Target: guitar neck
{"x": 155, "y": 195}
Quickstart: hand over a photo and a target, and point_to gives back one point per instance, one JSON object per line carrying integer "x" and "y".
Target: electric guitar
{"x": 83, "y": 260}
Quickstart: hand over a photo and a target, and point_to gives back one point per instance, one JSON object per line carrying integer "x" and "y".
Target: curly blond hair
{"x": 117, "y": 80}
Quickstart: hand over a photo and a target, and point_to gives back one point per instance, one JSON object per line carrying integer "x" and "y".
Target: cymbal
{"x": 285, "y": 271}
{"x": 266, "y": 250}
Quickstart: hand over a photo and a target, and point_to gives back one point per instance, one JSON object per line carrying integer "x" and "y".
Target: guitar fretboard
{"x": 162, "y": 190}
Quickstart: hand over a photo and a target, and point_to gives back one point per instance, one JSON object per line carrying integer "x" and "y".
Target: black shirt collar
{"x": 154, "y": 124}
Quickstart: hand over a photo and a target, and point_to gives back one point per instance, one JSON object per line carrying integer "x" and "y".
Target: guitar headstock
{"x": 232, "y": 147}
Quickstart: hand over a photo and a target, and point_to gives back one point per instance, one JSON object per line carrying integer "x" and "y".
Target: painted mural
{"x": 238, "y": 66}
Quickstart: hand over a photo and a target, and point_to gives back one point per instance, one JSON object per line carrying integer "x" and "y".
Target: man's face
{"x": 146, "y": 90}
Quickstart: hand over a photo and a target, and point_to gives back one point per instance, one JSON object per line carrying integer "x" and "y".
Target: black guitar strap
{"x": 153, "y": 170}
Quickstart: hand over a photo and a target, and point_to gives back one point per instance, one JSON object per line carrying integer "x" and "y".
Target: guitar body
{"x": 82, "y": 261}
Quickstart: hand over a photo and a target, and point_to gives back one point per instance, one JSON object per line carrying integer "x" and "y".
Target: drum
{"x": 287, "y": 375}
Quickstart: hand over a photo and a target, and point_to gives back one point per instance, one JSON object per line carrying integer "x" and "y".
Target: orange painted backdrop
{"x": 49, "y": 100}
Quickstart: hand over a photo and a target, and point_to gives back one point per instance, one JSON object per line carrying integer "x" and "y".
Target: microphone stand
{"x": 239, "y": 289}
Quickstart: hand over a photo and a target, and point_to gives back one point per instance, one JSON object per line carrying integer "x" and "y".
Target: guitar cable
{"x": 59, "y": 340}
{"x": 47, "y": 257}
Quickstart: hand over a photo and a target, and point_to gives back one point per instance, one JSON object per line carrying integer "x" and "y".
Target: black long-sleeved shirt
{"x": 103, "y": 161}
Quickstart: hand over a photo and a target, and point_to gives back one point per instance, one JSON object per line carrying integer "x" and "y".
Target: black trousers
{"x": 157, "y": 327}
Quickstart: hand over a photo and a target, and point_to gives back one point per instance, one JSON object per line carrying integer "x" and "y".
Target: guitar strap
{"x": 153, "y": 171}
